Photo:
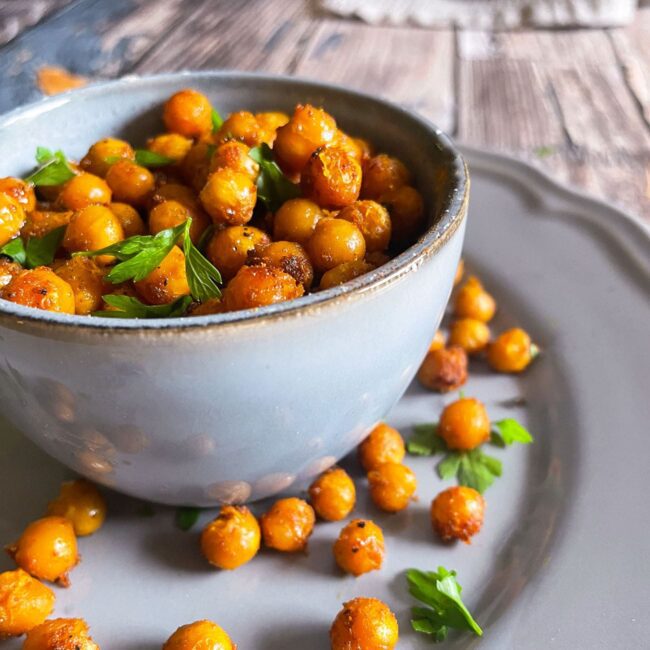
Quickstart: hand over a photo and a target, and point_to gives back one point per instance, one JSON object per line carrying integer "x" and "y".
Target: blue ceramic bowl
{"x": 239, "y": 406}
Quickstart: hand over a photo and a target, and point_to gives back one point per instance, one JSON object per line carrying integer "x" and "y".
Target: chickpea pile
{"x": 343, "y": 210}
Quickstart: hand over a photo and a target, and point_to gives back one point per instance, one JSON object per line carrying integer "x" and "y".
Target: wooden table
{"x": 576, "y": 102}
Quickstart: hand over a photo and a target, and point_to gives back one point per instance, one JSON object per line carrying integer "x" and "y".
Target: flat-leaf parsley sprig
{"x": 273, "y": 187}
{"x": 37, "y": 251}
{"x": 53, "y": 168}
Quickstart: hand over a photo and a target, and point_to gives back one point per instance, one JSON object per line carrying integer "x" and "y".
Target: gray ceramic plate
{"x": 563, "y": 559}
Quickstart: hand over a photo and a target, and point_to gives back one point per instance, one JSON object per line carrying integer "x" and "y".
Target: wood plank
{"x": 15, "y": 17}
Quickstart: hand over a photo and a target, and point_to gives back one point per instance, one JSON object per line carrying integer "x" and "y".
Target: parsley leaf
{"x": 478, "y": 470}
{"x": 129, "y": 307}
{"x": 202, "y": 276}
{"x": 425, "y": 440}
{"x": 146, "y": 158}
{"x": 186, "y": 517}
{"x": 53, "y": 168}
{"x": 508, "y": 431}
{"x": 449, "y": 465}
{"x": 440, "y": 591}
{"x": 273, "y": 187}
{"x": 38, "y": 251}
{"x": 15, "y": 249}
{"x": 217, "y": 120}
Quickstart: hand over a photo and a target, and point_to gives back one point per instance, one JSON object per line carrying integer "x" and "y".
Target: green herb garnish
{"x": 38, "y": 251}
{"x": 425, "y": 441}
{"x": 186, "y": 517}
{"x": 217, "y": 120}
{"x": 273, "y": 187}
{"x": 146, "y": 158}
{"x": 130, "y": 307}
{"x": 53, "y": 168}
{"x": 476, "y": 469}
{"x": 508, "y": 431}
{"x": 202, "y": 276}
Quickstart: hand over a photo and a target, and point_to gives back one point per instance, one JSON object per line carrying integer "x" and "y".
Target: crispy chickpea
{"x": 257, "y": 286}
{"x": 270, "y": 122}
{"x": 82, "y": 190}
{"x": 12, "y": 218}
{"x": 129, "y": 218}
{"x": 351, "y": 145}
{"x": 60, "y": 634}
{"x": 333, "y": 494}
{"x": 130, "y": 182}
{"x": 392, "y": 486}
{"x": 511, "y": 351}
{"x": 241, "y": 126}
{"x": 175, "y": 192}
{"x": 444, "y": 369}
{"x": 92, "y": 228}
{"x": 170, "y": 214}
{"x": 359, "y": 547}
{"x": 86, "y": 278}
{"x": 473, "y": 301}
{"x": 234, "y": 155}
{"x": 460, "y": 271}
{"x": 195, "y": 167}
{"x": 199, "y": 635}
{"x": 188, "y": 113}
{"x": 344, "y": 273}
{"x": 457, "y": 513}
{"x": 470, "y": 334}
{"x": 228, "y": 249}
{"x": 206, "y": 308}
{"x": 381, "y": 174}
{"x": 308, "y": 129}
{"x": 41, "y": 288}
{"x": 296, "y": 220}
{"x": 331, "y": 178}
{"x": 438, "y": 341}
{"x": 104, "y": 153}
{"x": 383, "y": 445}
{"x": 24, "y": 603}
{"x": 8, "y": 271}
{"x": 334, "y": 242}
{"x": 20, "y": 191}
{"x": 40, "y": 222}
{"x": 288, "y": 256}
{"x": 170, "y": 145}
{"x": 80, "y": 502}
{"x": 288, "y": 524}
{"x": 373, "y": 220}
{"x": 229, "y": 197}
{"x": 364, "y": 624}
{"x": 167, "y": 282}
{"x": 232, "y": 539}
{"x": 406, "y": 210}
{"x": 47, "y": 549}
{"x": 464, "y": 424}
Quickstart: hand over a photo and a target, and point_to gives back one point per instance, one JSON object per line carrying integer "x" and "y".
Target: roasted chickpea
{"x": 334, "y": 242}
{"x": 60, "y": 634}
{"x": 444, "y": 369}
{"x": 288, "y": 525}
{"x": 406, "y": 210}
{"x": 242, "y": 126}
{"x": 257, "y": 286}
{"x": 206, "y": 308}
{"x": 8, "y": 271}
{"x": 124, "y": 289}
{"x": 189, "y": 113}
{"x": 288, "y": 256}
{"x": 229, "y": 197}
{"x": 373, "y": 220}
{"x": 130, "y": 182}
{"x": 92, "y": 228}
{"x": 170, "y": 145}
{"x": 381, "y": 174}
{"x": 364, "y": 624}
{"x": 232, "y": 539}
{"x": 464, "y": 424}
{"x": 40, "y": 222}
{"x": 167, "y": 282}
{"x": 170, "y": 214}
{"x": 359, "y": 547}
{"x": 234, "y": 155}
{"x": 351, "y": 145}
{"x": 24, "y": 603}
{"x": 460, "y": 271}
{"x": 195, "y": 167}
{"x": 511, "y": 351}
{"x": 457, "y": 513}
{"x": 383, "y": 445}
{"x": 12, "y": 218}
{"x": 176, "y": 192}
{"x": 80, "y": 502}
{"x": 20, "y": 191}
{"x": 228, "y": 249}
{"x": 331, "y": 178}
{"x": 344, "y": 273}
{"x": 473, "y": 301}
{"x": 438, "y": 341}
{"x": 199, "y": 635}
{"x": 270, "y": 123}
{"x": 333, "y": 494}
{"x": 392, "y": 486}
{"x": 470, "y": 334}
{"x": 47, "y": 549}
{"x": 104, "y": 153}
{"x": 40, "y": 288}
{"x": 129, "y": 218}
{"x": 296, "y": 220}
{"x": 84, "y": 189}
{"x": 308, "y": 129}
{"x": 86, "y": 279}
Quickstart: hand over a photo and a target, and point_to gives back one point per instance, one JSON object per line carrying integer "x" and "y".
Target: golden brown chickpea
{"x": 170, "y": 145}
{"x": 82, "y": 190}
{"x": 381, "y": 174}
{"x": 198, "y": 636}
{"x": 288, "y": 256}
{"x": 12, "y": 218}
{"x": 444, "y": 369}
{"x": 24, "y": 603}
{"x": 511, "y": 351}
{"x": 241, "y": 126}
{"x": 232, "y": 539}
{"x": 351, "y": 145}
{"x": 364, "y": 624}
{"x": 92, "y": 228}
{"x": 104, "y": 153}
{"x": 333, "y": 494}
{"x": 472, "y": 301}
{"x": 129, "y": 218}
{"x": 457, "y": 513}
{"x": 366, "y": 149}
{"x": 86, "y": 278}
{"x": 269, "y": 123}
{"x": 130, "y": 182}
{"x": 47, "y": 549}
{"x": 460, "y": 271}
{"x": 176, "y": 192}
{"x": 189, "y": 113}
{"x": 8, "y": 271}
{"x": 308, "y": 129}
{"x": 229, "y": 197}
{"x": 464, "y": 424}
{"x": 195, "y": 168}
{"x": 234, "y": 155}
{"x": 210, "y": 306}
{"x": 471, "y": 335}
{"x": 40, "y": 288}
{"x": 60, "y": 634}
{"x": 20, "y": 191}
{"x": 392, "y": 486}
{"x": 373, "y": 220}
{"x": 80, "y": 502}
{"x": 334, "y": 242}
{"x": 228, "y": 249}
{"x": 331, "y": 178}
{"x": 170, "y": 214}
{"x": 383, "y": 445}
{"x": 288, "y": 524}
{"x": 40, "y": 222}
{"x": 344, "y": 273}
{"x": 296, "y": 220}
{"x": 167, "y": 282}
{"x": 438, "y": 341}
{"x": 406, "y": 210}
{"x": 359, "y": 547}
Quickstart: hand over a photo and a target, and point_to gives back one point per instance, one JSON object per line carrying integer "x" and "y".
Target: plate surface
{"x": 563, "y": 557}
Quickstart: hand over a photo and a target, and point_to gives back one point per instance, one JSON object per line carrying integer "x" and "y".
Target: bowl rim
{"x": 453, "y": 213}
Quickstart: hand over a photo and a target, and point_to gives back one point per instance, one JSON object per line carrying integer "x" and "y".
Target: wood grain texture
{"x": 18, "y": 15}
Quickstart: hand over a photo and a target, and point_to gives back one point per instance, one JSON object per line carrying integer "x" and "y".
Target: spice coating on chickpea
{"x": 359, "y": 547}
{"x": 288, "y": 524}
{"x": 229, "y": 197}
{"x": 129, "y": 219}
{"x": 334, "y": 242}
{"x": 24, "y": 603}
{"x": 167, "y": 282}
{"x": 384, "y": 444}
{"x": 228, "y": 249}
{"x": 40, "y": 222}
{"x": 364, "y": 624}
{"x": 344, "y": 273}
{"x": 331, "y": 178}
{"x": 41, "y": 288}
{"x": 170, "y": 214}
{"x": 84, "y": 189}
{"x": 92, "y": 228}
{"x": 373, "y": 220}
{"x": 241, "y": 126}
{"x": 86, "y": 279}
{"x": 188, "y": 113}
{"x": 288, "y": 256}
{"x": 47, "y": 549}
{"x": 232, "y": 539}
{"x": 470, "y": 334}
{"x": 104, "y": 153}
{"x": 473, "y": 301}
{"x": 333, "y": 495}
{"x": 234, "y": 155}
{"x": 199, "y": 635}
{"x": 296, "y": 220}
{"x": 457, "y": 513}
{"x": 130, "y": 182}
{"x": 444, "y": 369}
{"x": 392, "y": 486}
{"x": 511, "y": 351}
{"x": 381, "y": 174}
{"x": 80, "y": 502}
{"x": 20, "y": 191}
{"x": 12, "y": 218}
{"x": 8, "y": 271}
{"x": 60, "y": 634}
{"x": 464, "y": 424}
